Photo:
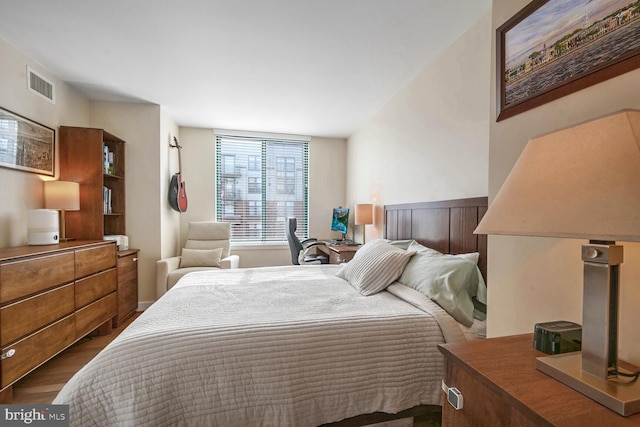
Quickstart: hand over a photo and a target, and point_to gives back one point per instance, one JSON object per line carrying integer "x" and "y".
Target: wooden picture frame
{"x": 26, "y": 145}
{"x": 552, "y": 48}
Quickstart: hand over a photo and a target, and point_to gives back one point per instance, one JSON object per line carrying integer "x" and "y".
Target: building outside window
{"x": 275, "y": 174}
{"x": 254, "y": 185}
{"x": 254, "y": 163}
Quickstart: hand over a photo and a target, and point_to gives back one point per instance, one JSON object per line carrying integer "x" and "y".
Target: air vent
{"x": 40, "y": 85}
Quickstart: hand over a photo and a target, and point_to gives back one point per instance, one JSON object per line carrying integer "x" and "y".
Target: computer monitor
{"x": 340, "y": 221}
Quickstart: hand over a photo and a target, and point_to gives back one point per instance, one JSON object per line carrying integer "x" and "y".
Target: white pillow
{"x": 375, "y": 266}
{"x": 201, "y": 257}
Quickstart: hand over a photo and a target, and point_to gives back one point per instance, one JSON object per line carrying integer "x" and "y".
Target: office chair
{"x": 299, "y": 249}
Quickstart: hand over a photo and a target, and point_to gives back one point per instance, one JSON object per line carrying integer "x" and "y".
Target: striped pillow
{"x": 375, "y": 266}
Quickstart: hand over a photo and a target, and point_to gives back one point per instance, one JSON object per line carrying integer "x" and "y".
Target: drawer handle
{"x": 135, "y": 259}
{"x": 8, "y": 354}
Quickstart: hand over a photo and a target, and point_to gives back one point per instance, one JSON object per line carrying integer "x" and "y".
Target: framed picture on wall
{"x": 26, "y": 145}
{"x": 552, "y": 48}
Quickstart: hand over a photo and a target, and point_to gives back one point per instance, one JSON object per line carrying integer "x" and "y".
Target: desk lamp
{"x": 63, "y": 196}
{"x": 582, "y": 182}
{"x": 364, "y": 216}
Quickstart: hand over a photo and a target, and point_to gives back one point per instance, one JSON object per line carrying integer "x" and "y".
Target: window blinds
{"x": 259, "y": 183}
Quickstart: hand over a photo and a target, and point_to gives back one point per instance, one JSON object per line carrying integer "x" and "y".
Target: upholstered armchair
{"x": 206, "y": 248}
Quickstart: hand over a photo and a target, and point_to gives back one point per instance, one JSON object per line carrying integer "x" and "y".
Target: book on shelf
{"x": 108, "y": 160}
{"x": 106, "y": 200}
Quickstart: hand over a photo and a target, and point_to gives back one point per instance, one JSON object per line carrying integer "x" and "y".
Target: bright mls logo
{"x": 36, "y": 415}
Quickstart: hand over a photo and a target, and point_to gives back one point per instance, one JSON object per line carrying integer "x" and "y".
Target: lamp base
{"x": 621, "y": 396}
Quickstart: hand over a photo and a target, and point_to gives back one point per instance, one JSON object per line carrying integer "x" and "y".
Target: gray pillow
{"x": 375, "y": 266}
{"x": 415, "y": 246}
{"x": 451, "y": 281}
{"x": 201, "y": 257}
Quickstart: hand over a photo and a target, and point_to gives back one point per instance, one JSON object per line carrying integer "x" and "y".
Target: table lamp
{"x": 63, "y": 196}
{"x": 363, "y": 216}
{"x": 582, "y": 182}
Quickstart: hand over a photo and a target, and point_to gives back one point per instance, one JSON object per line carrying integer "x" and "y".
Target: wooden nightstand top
{"x": 506, "y": 367}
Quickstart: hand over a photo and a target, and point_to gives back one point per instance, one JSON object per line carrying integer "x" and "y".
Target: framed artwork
{"x": 552, "y": 48}
{"x": 26, "y": 145}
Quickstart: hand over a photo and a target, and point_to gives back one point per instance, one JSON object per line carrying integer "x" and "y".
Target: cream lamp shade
{"x": 363, "y": 216}
{"x": 63, "y": 196}
{"x": 582, "y": 182}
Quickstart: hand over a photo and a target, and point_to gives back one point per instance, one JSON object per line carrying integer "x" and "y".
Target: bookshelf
{"x": 95, "y": 159}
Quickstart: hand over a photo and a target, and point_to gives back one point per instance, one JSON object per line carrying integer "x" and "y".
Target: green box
{"x": 557, "y": 337}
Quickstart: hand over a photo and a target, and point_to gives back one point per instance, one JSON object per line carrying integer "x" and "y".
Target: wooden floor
{"x": 42, "y": 385}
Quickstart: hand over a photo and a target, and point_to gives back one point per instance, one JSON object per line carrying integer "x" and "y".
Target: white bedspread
{"x": 277, "y": 346}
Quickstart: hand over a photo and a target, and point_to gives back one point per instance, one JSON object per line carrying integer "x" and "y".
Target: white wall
{"x": 21, "y": 191}
{"x": 169, "y": 219}
{"x": 537, "y": 279}
{"x": 142, "y": 175}
{"x": 327, "y": 177}
{"x": 431, "y": 141}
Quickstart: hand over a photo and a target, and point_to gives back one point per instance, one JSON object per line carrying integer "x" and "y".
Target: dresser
{"x": 501, "y": 386}
{"x": 50, "y": 297}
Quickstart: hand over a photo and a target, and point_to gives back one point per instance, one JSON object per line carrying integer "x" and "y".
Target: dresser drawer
{"x": 35, "y": 349}
{"x": 26, "y": 316}
{"x": 28, "y": 276}
{"x": 128, "y": 268}
{"x": 95, "y": 314}
{"x": 95, "y": 287}
{"x": 94, "y": 260}
{"x": 127, "y": 302}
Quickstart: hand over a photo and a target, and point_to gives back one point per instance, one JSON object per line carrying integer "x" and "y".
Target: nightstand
{"x": 501, "y": 386}
{"x": 127, "y": 270}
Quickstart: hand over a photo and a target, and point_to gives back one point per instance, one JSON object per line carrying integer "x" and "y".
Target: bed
{"x": 291, "y": 345}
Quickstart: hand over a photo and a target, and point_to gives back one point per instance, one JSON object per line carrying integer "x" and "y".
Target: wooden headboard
{"x": 446, "y": 226}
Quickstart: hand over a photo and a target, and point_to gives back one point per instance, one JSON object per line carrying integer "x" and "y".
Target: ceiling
{"x": 306, "y": 67}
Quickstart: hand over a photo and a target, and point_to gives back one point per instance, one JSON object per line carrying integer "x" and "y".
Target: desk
{"x": 502, "y": 387}
{"x": 339, "y": 253}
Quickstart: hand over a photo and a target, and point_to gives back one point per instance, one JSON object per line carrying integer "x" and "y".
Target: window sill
{"x": 252, "y": 246}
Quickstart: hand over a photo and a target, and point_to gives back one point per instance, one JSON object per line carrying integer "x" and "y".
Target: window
{"x": 275, "y": 174}
{"x": 254, "y": 163}
{"x": 254, "y": 186}
{"x": 286, "y": 175}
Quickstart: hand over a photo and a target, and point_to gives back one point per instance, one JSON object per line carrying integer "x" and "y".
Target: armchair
{"x": 300, "y": 249}
{"x": 206, "y": 248}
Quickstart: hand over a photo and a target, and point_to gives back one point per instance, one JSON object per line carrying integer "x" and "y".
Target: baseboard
{"x": 143, "y": 305}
